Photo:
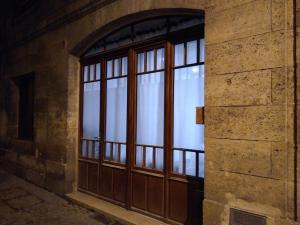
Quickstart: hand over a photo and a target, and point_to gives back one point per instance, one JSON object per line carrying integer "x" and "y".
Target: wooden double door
{"x": 140, "y": 145}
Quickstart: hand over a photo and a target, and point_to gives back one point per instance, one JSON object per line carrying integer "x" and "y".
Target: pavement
{"x": 22, "y": 203}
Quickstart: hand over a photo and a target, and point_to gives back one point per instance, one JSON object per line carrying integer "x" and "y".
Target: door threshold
{"x": 118, "y": 213}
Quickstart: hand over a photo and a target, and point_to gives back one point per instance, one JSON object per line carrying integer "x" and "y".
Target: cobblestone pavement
{"x": 22, "y": 203}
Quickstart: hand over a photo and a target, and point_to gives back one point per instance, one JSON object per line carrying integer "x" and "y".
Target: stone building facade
{"x": 251, "y": 97}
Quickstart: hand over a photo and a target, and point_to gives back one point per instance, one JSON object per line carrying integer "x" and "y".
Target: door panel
{"x": 178, "y": 199}
{"x": 120, "y": 185}
{"x": 93, "y": 177}
{"x": 161, "y": 149}
{"x": 106, "y": 185}
{"x": 155, "y": 195}
{"x": 139, "y": 197}
{"x": 82, "y": 174}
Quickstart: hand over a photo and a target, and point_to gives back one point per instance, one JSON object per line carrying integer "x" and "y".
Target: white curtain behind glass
{"x": 150, "y": 109}
{"x": 116, "y": 115}
{"x": 188, "y": 94}
{"x": 91, "y": 108}
{"x": 116, "y": 110}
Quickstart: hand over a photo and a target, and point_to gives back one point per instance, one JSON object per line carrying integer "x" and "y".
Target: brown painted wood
{"x": 168, "y": 121}
{"x": 93, "y": 177}
{"x": 155, "y": 194}
{"x": 106, "y": 186}
{"x": 82, "y": 175}
{"x": 178, "y": 200}
{"x": 139, "y": 194}
{"x": 120, "y": 185}
{"x": 160, "y": 193}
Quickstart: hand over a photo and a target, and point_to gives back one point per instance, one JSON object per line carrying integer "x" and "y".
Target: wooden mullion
{"x": 184, "y": 162}
{"x": 119, "y": 152}
{"x": 198, "y": 50}
{"x": 131, "y": 123}
{"x": 145, "y": 61}
{"x": 155, "y": 59}
{"x": 102, "y": 111}
{"x": 167, "y": 149}
{"x": 93, "y": 149}
{"x": 144, "y": 156}
{"x": 197, "y": 164}
{"x": 87, "y": 149}
{"x": 154, "y": 157}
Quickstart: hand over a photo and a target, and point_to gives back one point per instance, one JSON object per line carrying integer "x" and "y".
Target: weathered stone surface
{"x": 241, "y": 21}
{"x": 24, "y": 202}
{"x": 249, "y": 141}
{"x": 248, "y": 88}
{"x": 278, "y": 14}
{"x": 278, "y": 86}
{"x": 40, "y": 207}
{"x": 214, "y": 212}
{"x": 250, "y": 123}
{"x": 213, "y": 6}
{"x": 253, "y": 53}
{"x": 259, "y": 158}
{"x": 225, "y": 187}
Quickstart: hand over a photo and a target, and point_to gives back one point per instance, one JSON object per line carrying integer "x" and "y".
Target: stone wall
{"x": 250, "y": 100}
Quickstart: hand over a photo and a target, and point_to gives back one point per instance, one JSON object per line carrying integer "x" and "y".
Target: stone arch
{"x": 106, "y": 28}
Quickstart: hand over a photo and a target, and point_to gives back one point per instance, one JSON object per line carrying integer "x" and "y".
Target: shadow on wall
{"x": 3, "y": 126}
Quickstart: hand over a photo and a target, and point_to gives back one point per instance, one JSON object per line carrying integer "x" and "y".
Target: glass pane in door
{"x": 188, "y": 137}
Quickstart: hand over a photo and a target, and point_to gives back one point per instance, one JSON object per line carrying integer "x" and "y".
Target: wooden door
{"x": 140, "y": 145}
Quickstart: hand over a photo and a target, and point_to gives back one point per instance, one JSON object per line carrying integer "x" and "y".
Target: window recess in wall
{"x": 26, "y": 106}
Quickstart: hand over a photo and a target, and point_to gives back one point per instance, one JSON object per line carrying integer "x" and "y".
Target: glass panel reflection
{"x": 188, "y": 94}
{"x": 91, "y": 109}
{"x": 179, "y": 55}
{"x": 150, "y": 60}
{"x": 139, "y": 156}
{"x": 160, "y": 58}
{"x": 177, "y": 161}
{"x": 150, "y": 109}
{"x": 191, "y": 51}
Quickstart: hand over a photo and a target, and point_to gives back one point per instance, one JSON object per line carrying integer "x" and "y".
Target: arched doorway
{"x": 140, "y": 144}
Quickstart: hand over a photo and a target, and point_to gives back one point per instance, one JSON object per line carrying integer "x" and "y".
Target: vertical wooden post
{"x": 131, "y": 121}
{"x": 167, "y": 123}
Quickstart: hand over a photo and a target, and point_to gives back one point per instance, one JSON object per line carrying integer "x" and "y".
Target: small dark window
{"x": 26, "y": 98}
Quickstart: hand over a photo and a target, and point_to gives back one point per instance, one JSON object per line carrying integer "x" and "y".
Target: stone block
{"x": 213, "y": 6}
{"x": 55, "y": 169}
{"x": 278, "y": 86}
{"x": 241, "y": 21}
{"x": 278, "y": 14}
{"x": 248, "y": 88}
{"x": 213, "y": 212}
{"x": 230, "y": 188}
{"x": 250, "y": 123}
{"x": 259, "y": 158}
{"x": 24, "y": 202}
{"x": 252, "y": 53}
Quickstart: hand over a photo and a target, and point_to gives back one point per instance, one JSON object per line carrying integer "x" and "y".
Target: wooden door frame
{"x": 131, "y": 50}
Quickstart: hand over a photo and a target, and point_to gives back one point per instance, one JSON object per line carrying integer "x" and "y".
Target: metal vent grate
{"x": 238, "y": 217}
